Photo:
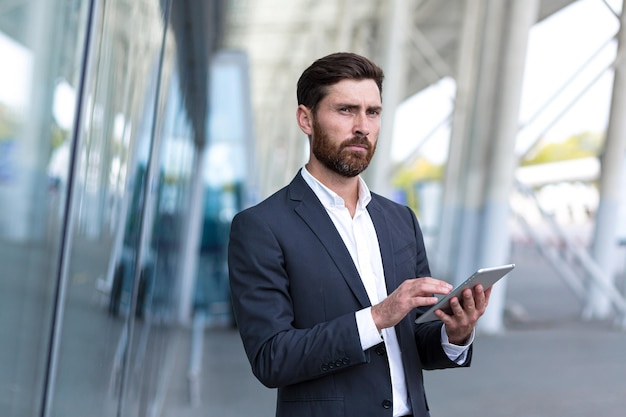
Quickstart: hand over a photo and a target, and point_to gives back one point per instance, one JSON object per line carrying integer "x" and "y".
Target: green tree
{"x": 582, "y": 145}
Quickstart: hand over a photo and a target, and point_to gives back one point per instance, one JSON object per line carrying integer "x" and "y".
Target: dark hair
{"x": 329, "y": 70}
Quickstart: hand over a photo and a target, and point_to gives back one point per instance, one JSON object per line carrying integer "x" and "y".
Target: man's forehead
{"x": 355, "y": 91}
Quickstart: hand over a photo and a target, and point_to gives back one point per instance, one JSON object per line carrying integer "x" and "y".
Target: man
{"x": 326, "y": 277}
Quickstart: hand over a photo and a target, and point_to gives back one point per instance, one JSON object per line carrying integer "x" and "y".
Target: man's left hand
{"x": 465, "y": 314}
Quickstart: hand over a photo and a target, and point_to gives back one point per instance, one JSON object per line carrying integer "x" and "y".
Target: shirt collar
{"x": 328, "y": 197}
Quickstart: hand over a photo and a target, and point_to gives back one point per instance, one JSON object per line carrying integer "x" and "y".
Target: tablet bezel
{"x": 484, "y": 276}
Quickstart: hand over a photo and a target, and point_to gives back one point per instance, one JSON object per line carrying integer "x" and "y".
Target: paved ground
{"x": 551, "y": 364}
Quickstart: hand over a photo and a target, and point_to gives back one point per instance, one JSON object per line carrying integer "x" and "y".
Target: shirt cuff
{"x": 368, "y": 333}
{"x": 456, "y": 353}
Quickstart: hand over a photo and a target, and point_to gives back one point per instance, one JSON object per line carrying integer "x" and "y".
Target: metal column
{"x": 495, "y": 242}
{"x": 604, "y": 250}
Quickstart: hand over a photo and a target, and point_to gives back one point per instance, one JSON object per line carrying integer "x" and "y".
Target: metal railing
{"x": 570, "y": 259}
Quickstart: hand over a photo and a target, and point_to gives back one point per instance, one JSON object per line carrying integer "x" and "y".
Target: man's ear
{"x": 305, "y": 119}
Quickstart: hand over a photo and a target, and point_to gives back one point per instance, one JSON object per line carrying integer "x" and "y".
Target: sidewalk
{"x": 566, "y": 370}
{"x": 551, "y": 364}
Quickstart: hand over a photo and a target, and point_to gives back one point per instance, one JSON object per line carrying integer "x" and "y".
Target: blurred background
{"x": 132, "y": 131}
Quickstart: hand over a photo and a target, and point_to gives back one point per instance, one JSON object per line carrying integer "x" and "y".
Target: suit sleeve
{"x": 279, "y": 353}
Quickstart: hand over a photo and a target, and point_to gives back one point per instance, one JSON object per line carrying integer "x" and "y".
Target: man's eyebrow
{"x": 348, "y": 105}
{"x": 357, "y": 106}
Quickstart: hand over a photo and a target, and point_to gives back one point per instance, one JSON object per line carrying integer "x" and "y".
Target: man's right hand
{"x": 412, "y": 293}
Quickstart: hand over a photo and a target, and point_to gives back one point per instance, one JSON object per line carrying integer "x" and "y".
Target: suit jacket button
{"x": 345, "y": 361}
{"x": 324, "y": 368}
{"x": 338, "y": 364}
{"x": 387, "y": 404}
{"x": 380, "y": 350}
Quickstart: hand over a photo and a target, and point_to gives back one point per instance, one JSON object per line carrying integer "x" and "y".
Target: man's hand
{"x": 410, "y": 294}
{"x": 465, "y": 314}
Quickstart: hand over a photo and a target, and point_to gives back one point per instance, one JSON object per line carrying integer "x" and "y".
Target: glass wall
{"x": 41, "y": 46}
{"x": 99, "y": 165}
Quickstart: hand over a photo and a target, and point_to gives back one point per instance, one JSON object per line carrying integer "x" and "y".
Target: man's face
{"x": 346, "y": 126}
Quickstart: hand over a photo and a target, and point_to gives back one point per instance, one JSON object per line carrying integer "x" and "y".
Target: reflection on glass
{"x": 123, "y": 350}
{"x": 39, "y": 63}
{"x": 116, "y": 328}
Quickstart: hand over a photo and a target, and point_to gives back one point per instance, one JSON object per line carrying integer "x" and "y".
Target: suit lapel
{"x": 311, "y": 210}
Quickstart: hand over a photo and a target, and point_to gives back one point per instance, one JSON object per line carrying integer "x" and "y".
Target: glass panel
{"x": 159, "y": 358}
{"x": 122, "y": 349}
{"x": 106, "y": 360}
{"x": 40, "y": 45}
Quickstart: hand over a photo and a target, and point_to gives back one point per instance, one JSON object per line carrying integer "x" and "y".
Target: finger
{"x": 405, "y": 298}
{"x": 456, "y": 307}
{"x": 429, "y": 286}
{"x": 425, "y": 301}
{"x": 487, "y": 295}
{"x": 431, "y": 281}
{"x": 445, "y": 318}
{"x": 480, "y": 298}
{"x": 469, "y": 304}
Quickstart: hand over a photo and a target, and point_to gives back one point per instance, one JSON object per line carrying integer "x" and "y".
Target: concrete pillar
{"x": 442, "y": 260}
{"x": 394, "y": 64}
{"x": 481, "y": 162}
{"x": 604, "y": 248}
{"x": 475, "y": 136}
{"x": 193, "y": 235}
{"x": 495, "y": 237}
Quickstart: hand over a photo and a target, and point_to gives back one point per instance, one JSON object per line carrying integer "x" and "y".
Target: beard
{"x": 338, "y": 158}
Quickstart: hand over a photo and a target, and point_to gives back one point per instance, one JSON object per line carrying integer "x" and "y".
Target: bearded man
{"x": 327, "y": 278}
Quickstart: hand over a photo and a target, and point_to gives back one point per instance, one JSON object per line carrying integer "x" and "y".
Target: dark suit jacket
{"x": 295, "y": 290}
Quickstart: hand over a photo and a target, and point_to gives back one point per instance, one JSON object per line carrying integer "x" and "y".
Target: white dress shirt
{"x": 360, "y": 238}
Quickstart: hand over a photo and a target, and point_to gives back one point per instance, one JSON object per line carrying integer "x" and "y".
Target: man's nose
{"x": 361, "y": 125}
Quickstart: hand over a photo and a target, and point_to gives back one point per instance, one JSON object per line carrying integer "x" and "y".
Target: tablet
{"x": 485, "y": 276}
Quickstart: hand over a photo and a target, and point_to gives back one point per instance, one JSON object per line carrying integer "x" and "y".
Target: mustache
{"x": 357, "y": 140}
